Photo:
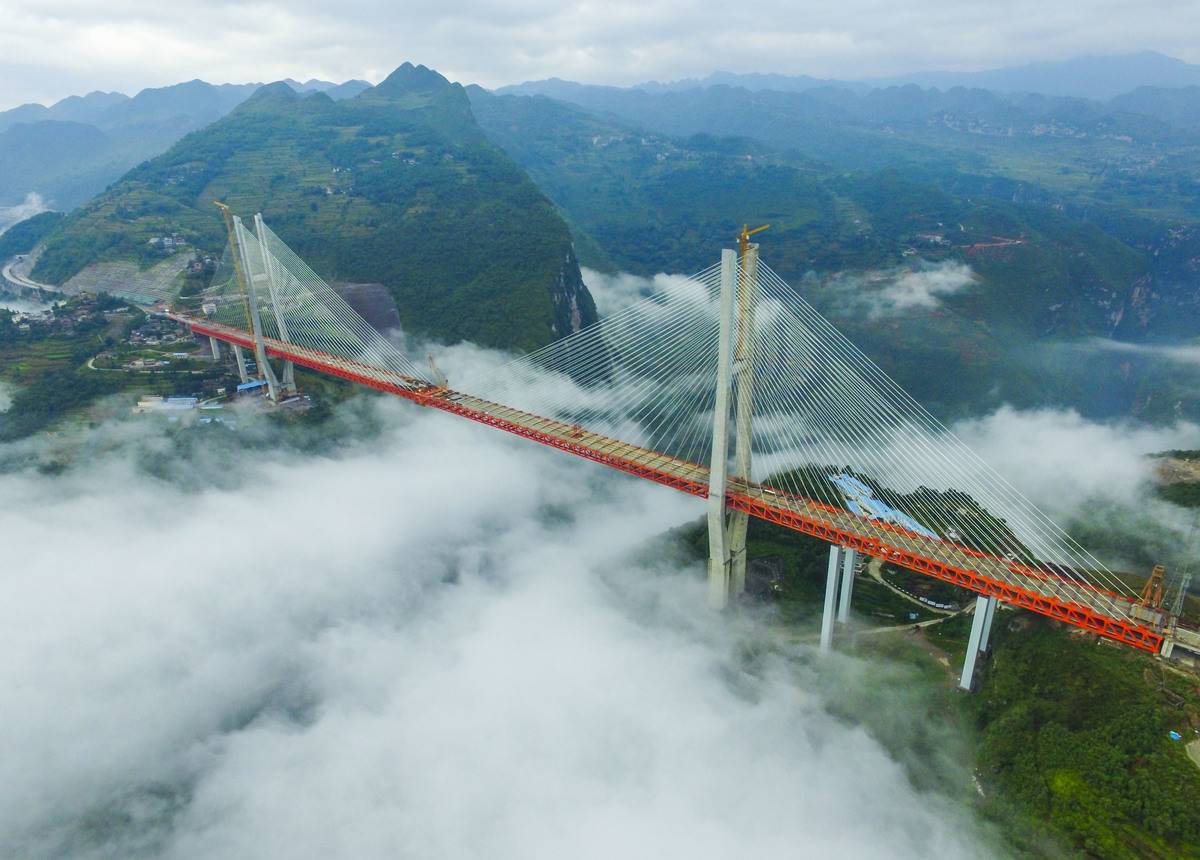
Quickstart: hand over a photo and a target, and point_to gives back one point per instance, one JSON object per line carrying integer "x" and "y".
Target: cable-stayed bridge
{"x": 729, "y": 386}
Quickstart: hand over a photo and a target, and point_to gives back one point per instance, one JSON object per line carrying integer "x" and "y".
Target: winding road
{"x": 21, "y": 280}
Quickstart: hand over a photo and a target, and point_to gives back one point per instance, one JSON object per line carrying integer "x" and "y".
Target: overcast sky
{"x": 53, "y": 48}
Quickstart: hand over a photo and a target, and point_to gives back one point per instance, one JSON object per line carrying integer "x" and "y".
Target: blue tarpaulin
{"x": 860, "y": 499}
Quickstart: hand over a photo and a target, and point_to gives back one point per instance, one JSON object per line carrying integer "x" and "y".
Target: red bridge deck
{"x": 1076, "y": 603}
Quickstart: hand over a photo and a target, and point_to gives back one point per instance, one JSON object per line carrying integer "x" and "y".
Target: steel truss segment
{"x": 600, "y": 449}
{"x": 1071, "y": 613}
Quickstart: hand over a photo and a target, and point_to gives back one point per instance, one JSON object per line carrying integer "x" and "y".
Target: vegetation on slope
{"x": 21, "y": 237}
{"x": 1074, "y": 735}
{"x": 1068, "y": 735}
{"x": 47, "y": 371}
{"x": 397, "y": 185}
{"x": 646, "y": 202}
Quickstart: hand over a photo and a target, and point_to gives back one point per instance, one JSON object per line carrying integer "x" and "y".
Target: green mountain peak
{"x": 397, "y": 185}
{"x": 413, "y": 79}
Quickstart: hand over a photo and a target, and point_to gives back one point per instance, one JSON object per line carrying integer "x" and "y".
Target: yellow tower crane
{"x": 743, "y": 237}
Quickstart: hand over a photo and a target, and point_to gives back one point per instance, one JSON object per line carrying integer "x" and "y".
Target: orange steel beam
{"x": 1121, "y": 630}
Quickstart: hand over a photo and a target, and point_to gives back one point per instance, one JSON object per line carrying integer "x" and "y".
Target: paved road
{"x": 871, "y": 631}
{"x": 21, "y": 280}
{"x": 875, "y": 570}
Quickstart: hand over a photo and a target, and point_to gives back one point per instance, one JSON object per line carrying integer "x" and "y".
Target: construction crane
{"x": 1154, "y": 590}
{"x": 743, "y": 237}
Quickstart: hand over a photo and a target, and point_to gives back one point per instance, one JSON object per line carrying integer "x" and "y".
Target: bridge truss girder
{"x": 423, "y": 394}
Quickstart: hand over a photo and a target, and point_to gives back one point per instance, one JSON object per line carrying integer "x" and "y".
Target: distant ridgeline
{"x": 397, "y": 185}
{"x": 1072, "y": 250}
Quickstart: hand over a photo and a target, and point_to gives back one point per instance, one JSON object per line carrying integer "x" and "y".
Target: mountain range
{"x": 1045, "y": 267}
{"x": 1093, "y": 77}
{"x": 1071, "y": 218}
{"x": 71, "y": 150}
{"x": 396, "y": 185}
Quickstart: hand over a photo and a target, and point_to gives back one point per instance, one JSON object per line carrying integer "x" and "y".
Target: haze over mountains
{"x": 72, "y": 149}
{"x": 1099, "y": 77}
{"x": 69, "y": 151}
{"x": 1016, "y": 219}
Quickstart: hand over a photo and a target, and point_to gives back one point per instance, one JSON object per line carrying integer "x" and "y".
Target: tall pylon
{"x": 241, "y": 267}
{"x": 727, "y": 532}
{"x": 718, "y": 547}
{"x": 743, "y": 374}
{"x": 270, "y": 271}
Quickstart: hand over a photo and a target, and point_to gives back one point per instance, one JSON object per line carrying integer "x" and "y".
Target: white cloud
{"x": 32, "y": 205}
{"x": 1093, "y": 479}
{"x": 1181, "y": 354}
{"x": 1062, "y": 460}
{"x": 616, "y": 292}
{"x": 427, "y": 644}
{"x": 901, "y": 290}
{"x": 134, "y": 43}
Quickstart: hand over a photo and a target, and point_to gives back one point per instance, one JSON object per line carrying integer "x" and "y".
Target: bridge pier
{"x": 727, "y": 529}
{"x": 272, "y": 277}
{"x": 743, "y": 375}
{"x": 985, "y": 639}
{"x": 247, "y": 276}
{"x": 241, "y": 363}
{"x": 839, "y": 588}
{"x": 849, "y": 560}
{"x": 215, "y": 345}
{"x": 831, "y": 589}
{"x": 981, "y": 627}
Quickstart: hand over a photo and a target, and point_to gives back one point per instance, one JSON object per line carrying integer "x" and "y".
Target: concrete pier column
{"x": 849, "y": 560}
{"x": 982, "y": 610}
{"x": 215, "y": 345}
{"x": 831, "y": 589}
{"x": 985, "y": 639}
{"x": 241, "y": 363}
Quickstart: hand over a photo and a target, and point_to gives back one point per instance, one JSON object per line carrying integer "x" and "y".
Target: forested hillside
{"x": 1034, "y": 273}
{"x": 397, "y": 185}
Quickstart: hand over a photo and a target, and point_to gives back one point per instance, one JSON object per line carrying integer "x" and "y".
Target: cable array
{"x": 826, "y": 419}
{"x": 829, "y": 426}
{"x": 646, "y": 375}
{"x": 295, "y": 304}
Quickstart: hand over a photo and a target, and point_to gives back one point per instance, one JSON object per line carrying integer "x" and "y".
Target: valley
{"x": 1026, "y": 265}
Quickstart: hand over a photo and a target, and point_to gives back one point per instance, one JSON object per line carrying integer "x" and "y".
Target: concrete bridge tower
{"x": 727, "y": 531}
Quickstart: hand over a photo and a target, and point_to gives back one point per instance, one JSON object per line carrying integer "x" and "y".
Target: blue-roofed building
{"x": 251, "y": 388}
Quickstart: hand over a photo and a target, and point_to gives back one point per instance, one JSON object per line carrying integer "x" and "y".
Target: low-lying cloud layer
{"x": 429, "y": 642}
{"x": 1094, "y": 478}
{"x": 920, "y": 287}
{"x": 32, "y": 205}
{"x": 1176, "y": 353}
{"x": 1061, "y": 459}
{"x": 616, "y": 292}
